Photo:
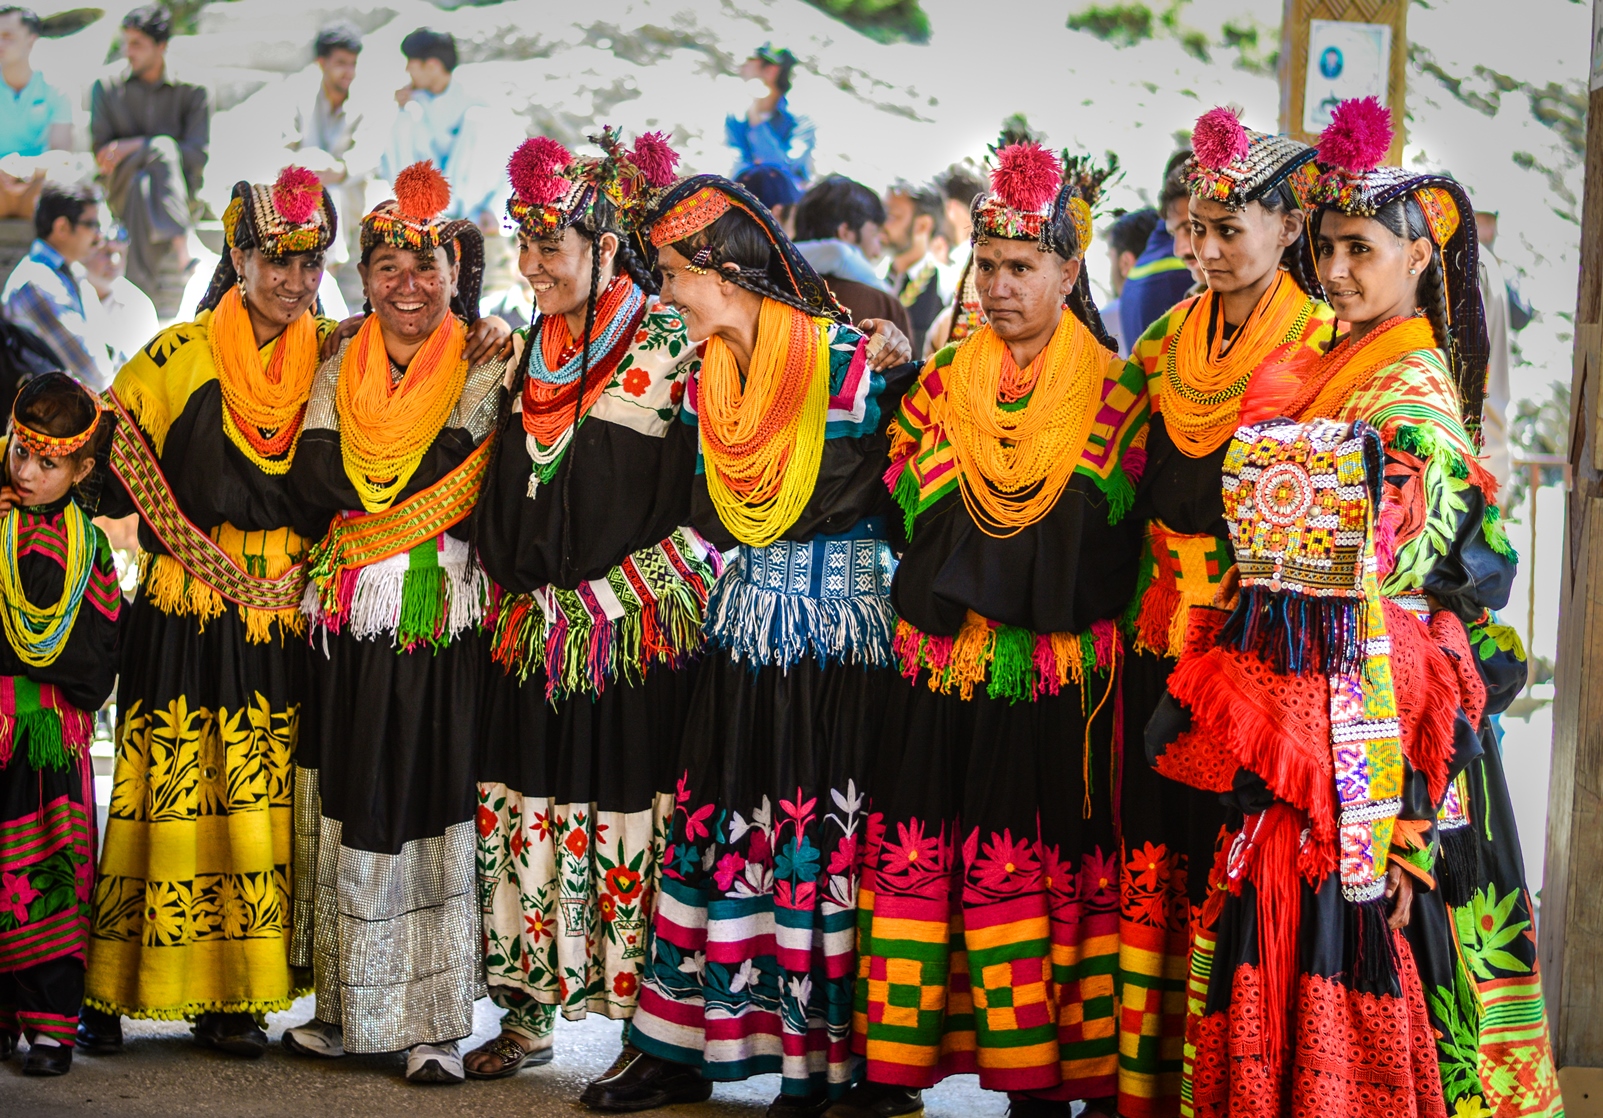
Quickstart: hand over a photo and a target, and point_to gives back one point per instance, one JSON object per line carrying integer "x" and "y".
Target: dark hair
{"x": 150, "y": 19}
{"x": 736, "y": 238}
{"x": 834, "y": 202}
{"x": 338, "y": 36}
{"x": 927, "y": 202}
{"x": 770, "y": 184}
{"x": 960, "y": 184}
{"x": 1174, "y": 182}
{"x": 31, "y": 22}
{"x": 59, "y": 199}
{"x": 54, "y": 404}
{"x": 428, "y": 43}
{"x": 1403, "y": 218}
{"x": 1130, "y": 231}
{"x": 784, "y": 59}
{"x": 1297, "y": 257}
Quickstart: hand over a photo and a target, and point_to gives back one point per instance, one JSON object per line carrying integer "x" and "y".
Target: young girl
{"x": 59, "y": 604}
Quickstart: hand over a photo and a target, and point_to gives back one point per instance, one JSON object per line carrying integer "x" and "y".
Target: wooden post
{"x": 1571, "y": 924}
{"x": 1294, "y": 58}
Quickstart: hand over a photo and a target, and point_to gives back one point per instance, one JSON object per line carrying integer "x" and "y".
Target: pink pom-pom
{"x": 1358, "y": 136}
{"x": 296, "y": 194}
{"x": 533, "y": 170}
{"x": 1027, "y": 176}
{"x": 655, "y": 158}
{"x": 1218, "y": 139}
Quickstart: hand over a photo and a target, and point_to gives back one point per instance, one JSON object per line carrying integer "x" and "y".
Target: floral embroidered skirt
{"x": 386, "y": 903}
{"x": 1168, "y": 835}
{"x": 570, "y": 836}
{"x": 192, "y": 909}
{"x": 750, "y": 966}
{"x": 988, "y": 916}
{"x": 47, "y": 868}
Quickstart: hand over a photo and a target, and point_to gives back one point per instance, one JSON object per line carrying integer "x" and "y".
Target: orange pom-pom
{"x": 421, "y": 192}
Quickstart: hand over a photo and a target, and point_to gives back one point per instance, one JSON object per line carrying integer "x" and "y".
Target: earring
{"x": 1413, "y": 271}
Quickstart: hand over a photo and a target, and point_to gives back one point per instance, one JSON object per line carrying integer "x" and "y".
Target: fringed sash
{"x": 1013, "y": 663}
{"x": 56, "y": 732}
{"x": 135, "y": 465}
{"x": 357, "y": 540}
{"x": 647, "y": 610}
{"x": 827, "y": 598}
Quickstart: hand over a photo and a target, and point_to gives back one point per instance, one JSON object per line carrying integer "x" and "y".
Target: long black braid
{"x": 1297, "y": 257}
{"x": 1405, "y": 219}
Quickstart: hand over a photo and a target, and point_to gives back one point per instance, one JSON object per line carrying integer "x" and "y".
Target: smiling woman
{"x": 395, "y": 447}
{"x": 209, "y": 418}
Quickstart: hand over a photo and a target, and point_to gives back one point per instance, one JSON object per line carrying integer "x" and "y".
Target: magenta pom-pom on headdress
{"x": 1358, "y": 136}
{"x": 1218, "y": 139}
{"x": 296, "y": 194}
{"x": 1027, "y": 176}
{"x": 534, "y": 170}
{"x": 655, "y": 158}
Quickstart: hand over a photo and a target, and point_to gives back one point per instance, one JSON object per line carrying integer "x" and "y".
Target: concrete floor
{"x": 162, "y": 1074}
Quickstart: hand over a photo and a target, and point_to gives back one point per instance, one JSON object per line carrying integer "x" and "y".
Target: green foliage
{"x": 1123, "y": 25}
{"x": 885, "y": 21}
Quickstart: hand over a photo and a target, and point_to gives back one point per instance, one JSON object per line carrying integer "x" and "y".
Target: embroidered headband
{"x": 689, "y": 216}
{"x": 551, "y": 189}
{"x": 1233, "y": 164}
{"x": 52, "y": 446}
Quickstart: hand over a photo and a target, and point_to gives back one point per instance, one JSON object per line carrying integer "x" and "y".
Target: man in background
{"x": 913, "y": 213}
{"x": 769, "y": 133}
{"x": 1127, "y": 239}
{"x": 776, "y": 190}
{"x": 128, "y": 315}
{"x": 441, "y": 121}
{"x": 322, "y": 132}
{"x": 838, "y": 225}
{"x": 47, "y": 292}
{"x": 150, "y": 133}
{"x": 34, "y": 116}
{"x": 1162, "y": 274}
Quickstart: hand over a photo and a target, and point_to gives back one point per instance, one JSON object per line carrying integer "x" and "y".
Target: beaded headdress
{"x": 1031, "y": 188}
{"x": 292, "y": 215}
{"x": 414, "y": 219}
{"x": 1233, "y": 164}
{"x": 552, "y": 189}
{"x": 693, "y": 204}
{"x": 1353, "y": 182}
{"x": 54, "y": 446}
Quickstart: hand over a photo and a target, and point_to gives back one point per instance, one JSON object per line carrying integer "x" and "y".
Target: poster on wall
{"x": 1344, "y": 60}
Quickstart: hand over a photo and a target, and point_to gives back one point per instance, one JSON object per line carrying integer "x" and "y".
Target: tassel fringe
{"x": 1014, "y": 664}
{"x": 415, "y": 604}
{"x": 1298, "y": 635}
{"x": 779, "y": 630}
{"x": 174, "y": 591}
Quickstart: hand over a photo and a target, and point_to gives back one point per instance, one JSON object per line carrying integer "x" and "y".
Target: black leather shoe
{"x": 237, "y": 1034}
{"x": 1026, "y": 1107}
{"x": 878, "y": 1100}
{"x": 595, "y": 1088}
{"x": 646, "y": 1083}
{"x": 99, "y": 1034}
{"x": 799, "y": 1106}
{"x": 47, "y": 1059}
{"x": 8, "y": 1045}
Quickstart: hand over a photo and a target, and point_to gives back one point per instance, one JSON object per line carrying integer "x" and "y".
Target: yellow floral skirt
{"x": 193, "y": 905}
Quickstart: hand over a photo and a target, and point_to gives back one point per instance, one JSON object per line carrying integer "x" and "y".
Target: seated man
{"x": 150, "y": 134}
{"x": 47, "y": 292}
{"x": 34, "y": 116}
{"x": 838, "y": 224}
{"x": 442, "y": 122}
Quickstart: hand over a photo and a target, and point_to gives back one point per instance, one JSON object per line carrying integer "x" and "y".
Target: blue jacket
{"x": 1158, "y": 281}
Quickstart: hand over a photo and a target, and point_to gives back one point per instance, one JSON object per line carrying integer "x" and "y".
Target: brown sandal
{"x": 513, "y": 1057}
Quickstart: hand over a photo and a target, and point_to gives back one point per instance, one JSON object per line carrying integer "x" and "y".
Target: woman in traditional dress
{"x": 1261, "y": 306}
{"x": 1333, "y": 699}
{"x": 192, "y": 908}
{"x": 60, "y": 605}
{"x": 750, "y": 964}
{"x": 602, "y": 592}
{"x": 392, "y": 454}
{"x": 987, "y": 918}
